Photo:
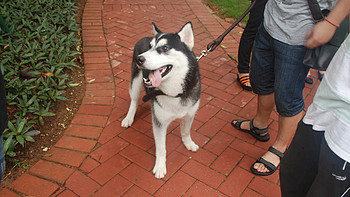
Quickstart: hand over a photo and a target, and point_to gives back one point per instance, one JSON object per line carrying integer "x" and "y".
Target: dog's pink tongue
{"x": 156, "y": 78}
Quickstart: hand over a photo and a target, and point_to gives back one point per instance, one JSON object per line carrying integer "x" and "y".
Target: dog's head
{"x": 169, "y": 55}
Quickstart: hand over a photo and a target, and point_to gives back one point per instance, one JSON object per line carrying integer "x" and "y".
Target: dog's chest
{"x": 174, "y": 106}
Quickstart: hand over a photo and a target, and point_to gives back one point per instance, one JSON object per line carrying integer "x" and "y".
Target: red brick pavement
{"x": 97, "y": 157}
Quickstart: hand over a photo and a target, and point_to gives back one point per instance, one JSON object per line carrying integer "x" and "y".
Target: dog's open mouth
{"x": 154, "y": 77}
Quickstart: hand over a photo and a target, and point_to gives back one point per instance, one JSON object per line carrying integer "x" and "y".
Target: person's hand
{"x": 320, "y": 34}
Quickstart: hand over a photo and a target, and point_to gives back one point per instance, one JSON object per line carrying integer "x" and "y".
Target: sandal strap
{"x": 267, "y": 164}
{"x": 276, "y": 152}
{"x": 257, "y": 130}
{"x": 238, "y": 124}
{"x": 244, "y": 79}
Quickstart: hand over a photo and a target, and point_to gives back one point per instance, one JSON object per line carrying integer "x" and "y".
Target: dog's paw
{"x": 127, "y": 122}
{"x": 191, "y": 146}
{"x": 159, "y": 169}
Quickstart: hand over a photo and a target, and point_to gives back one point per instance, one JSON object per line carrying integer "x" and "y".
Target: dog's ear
{"x": 186, "y": 35}
{"x": 155, "y": 29}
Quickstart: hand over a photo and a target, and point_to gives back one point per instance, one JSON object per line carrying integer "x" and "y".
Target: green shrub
{"x": 42, "y": 45}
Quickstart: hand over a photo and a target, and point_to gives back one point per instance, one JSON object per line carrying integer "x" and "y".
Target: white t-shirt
{"x": 330, "y": 110}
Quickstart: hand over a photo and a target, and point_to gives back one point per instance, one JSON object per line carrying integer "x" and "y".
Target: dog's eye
{"x": 165, "y": 48}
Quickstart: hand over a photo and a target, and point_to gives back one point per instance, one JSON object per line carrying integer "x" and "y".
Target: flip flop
{"x": 255, "y": 132}
{"x": 243, "y": 81}
{"x": 272, "y": 168}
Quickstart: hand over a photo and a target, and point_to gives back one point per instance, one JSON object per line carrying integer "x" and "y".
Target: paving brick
{"x": 102, "y": 110}
{"x": 117, "y": 186}
{"x": 24, "y": 184}
{"x": 212, "y": 127}
{"x": 98, "y": 100}
{"x": 109, "y": 169}
{"x": 176, "y": 186}
{"x": 81, "y": 184}
{"x": 8, "y": 193}
{"x": 206, "y": 112}
{"x": 200, "y": 189}
{"x": 136, "y": 191}
{"x": 243, "y": 98}
{"x": 51, "y": 171}
{"x": 228, "y": 160}
{"x": 66, "y": 157}
{"x": 100, "y": 86}
{"x": 265, "y": 187}
{"x": 219, "y": 143}
{"x": 109, "y": 149}
{"x": 236, "y": 183}
{"x": 74, "y": 143}
{"x": 99, "y": 93}
{"x": 203, "y": 156}
{"x": 83, "y": 131}
{"x": 139, "y": 157}
{"x": 90, "y": 120}
{"x": 224, "y": 105}
{"x": 174, "y": 163}
{"x": 247, "y": 148}
{"x": 141, "y": 125}
{"x": 98, "y": 76}
{"x": 89, "y": 164}
{"x": 67, "y": 193}
{"x": 142, "y": 178}
{"x": 249, "y": 192}
{"x": 100, "y": 66}
{"x": 203, "y": 173}
{"x": 138, "y": 139}
{"x": 219, "y": 94}
{"x": 110, "y": 131}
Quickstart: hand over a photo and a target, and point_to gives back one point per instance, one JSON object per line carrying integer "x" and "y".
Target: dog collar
{"x": 155, "y": 93}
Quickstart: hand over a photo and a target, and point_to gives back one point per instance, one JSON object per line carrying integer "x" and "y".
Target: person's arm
{"x": 323, "y": 31}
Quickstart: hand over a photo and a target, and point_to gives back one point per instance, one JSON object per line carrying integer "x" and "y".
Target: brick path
{"x": 97, "y": 157}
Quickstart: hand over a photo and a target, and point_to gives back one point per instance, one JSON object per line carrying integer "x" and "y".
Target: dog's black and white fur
{"x": 168, "y": 69}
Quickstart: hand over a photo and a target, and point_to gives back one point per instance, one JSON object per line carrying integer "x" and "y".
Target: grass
{"x": 231, "y": 8}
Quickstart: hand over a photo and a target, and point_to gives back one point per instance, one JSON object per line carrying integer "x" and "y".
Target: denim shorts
{"x": 278, "y": 68}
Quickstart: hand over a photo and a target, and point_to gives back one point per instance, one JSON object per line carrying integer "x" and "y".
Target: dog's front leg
{"x": 134, "y": 91}
{"x": 185, "y": 126}
{"x": 159, "y": 169}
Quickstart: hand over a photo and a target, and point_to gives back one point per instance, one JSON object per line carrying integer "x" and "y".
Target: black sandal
{"x": 272, "y": 168}
{"x": 255, "y": 132}
{"x": 243, "y": 81}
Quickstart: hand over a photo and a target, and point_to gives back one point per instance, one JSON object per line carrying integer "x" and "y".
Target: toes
{"x": 192, "y": 146}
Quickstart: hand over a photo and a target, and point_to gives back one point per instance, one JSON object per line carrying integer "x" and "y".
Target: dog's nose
{"x": 140, "y": 60}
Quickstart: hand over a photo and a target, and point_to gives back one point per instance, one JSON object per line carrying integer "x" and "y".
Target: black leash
{"x": 215, "y": 43}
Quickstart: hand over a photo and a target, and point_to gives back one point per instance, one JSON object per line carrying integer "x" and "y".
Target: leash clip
{"x": 203, "y": 54}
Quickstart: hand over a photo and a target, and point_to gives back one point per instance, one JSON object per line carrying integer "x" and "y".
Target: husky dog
{"x": 168, "y": 69}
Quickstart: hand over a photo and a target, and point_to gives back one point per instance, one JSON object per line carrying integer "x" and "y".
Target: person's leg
{"x": 265, "y": 106}
{"x": 248, "y": 36}
{"x": 289, "y": 83}
{"x": 299, "y": 166}
{"x": 332, "y": 176}
{"x": 286, "y": 130}
{"x": 246, "y": 43}
{"x": 262, "y": 79}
